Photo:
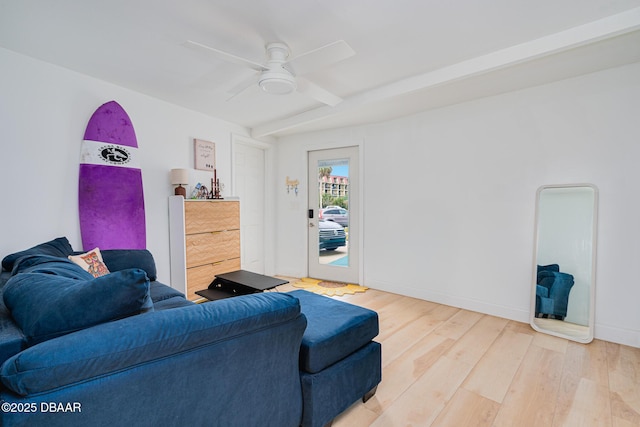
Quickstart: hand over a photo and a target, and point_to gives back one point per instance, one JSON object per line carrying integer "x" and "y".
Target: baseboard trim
{"x": 454, "y": 301}
{"x": 617, "y": 335}
{"x": 602, "y": 332}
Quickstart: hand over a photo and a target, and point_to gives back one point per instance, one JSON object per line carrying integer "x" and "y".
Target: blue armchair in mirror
{"x": 552, "y": 292}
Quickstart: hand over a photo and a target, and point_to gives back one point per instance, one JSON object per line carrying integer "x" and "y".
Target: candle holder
{"x": 216, "y": 187}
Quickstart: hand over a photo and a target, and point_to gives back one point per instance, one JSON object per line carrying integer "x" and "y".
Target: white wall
{"x": 449, "y": 195}
{"x": 461, "y": 182}
{"x": 44, "y": 110}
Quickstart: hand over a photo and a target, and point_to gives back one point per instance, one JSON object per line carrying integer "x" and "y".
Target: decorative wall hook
{"x": 292, "y": 185}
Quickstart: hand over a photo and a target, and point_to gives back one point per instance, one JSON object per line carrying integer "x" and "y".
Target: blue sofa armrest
{"x": 114, "y": 346}
{"x": 226, "y": 356}
{"x": 542, "y": 291}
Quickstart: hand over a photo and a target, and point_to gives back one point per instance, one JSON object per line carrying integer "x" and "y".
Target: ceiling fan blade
{"x": 224, "y": 55}
{"x": 321, "y": 57}
{"x": 317, "y": 93}
{"x": 242, "y": 86}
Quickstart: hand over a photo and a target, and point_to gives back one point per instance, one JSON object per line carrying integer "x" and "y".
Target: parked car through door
{"x": 339, "y": 215}
{"x": 331, "y": 235}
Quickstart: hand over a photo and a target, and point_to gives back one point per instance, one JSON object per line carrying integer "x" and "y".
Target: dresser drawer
{"x": 203, "y": 217}
{"x": 208, "y": 248}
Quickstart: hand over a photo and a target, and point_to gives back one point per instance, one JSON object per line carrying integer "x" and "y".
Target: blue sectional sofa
{"x": 125, "y": 349}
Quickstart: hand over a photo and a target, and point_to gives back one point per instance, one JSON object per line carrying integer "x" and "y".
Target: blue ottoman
{"x": 339, "y": 361}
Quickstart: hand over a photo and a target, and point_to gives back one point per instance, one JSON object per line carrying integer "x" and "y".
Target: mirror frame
{"x": 594, "y": 230}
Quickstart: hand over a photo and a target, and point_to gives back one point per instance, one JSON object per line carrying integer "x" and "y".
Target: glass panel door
{"x": 333, "y": 210}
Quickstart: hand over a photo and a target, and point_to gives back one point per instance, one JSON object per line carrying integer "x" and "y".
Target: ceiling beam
{"x": 593, "y": 32}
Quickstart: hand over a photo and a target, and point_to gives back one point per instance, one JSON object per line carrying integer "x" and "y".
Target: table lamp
{"x": 179, "y": 177}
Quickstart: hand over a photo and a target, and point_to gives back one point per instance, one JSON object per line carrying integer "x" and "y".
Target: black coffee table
{"x": 239, "y": 282}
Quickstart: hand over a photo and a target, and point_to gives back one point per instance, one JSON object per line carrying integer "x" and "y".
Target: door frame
{"x": 360, "y": 195}
{"x": 269, "y": 192}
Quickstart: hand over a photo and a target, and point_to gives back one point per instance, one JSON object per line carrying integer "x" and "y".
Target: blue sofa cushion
{"x": 46, "y": 305}
{"x": 48, "y": 264}
{"x": 174, "y": 302}
{"x": 546, "y": 279}
{"x": 12, "y": 339}
{"x": 123, "y": 259}
{"x": 542, "y": 269}
{"x": 4, "y": 276}
{"x": 335, "y": 329}
{"x": 129, "y": 343}
{"x": 160, "y": 292}
{"x": 165, "y": 297}
{"x": 59, "y": 247}
{"x": 549, "y": 267}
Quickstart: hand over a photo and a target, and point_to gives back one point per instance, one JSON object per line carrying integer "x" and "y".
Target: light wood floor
{"x": 443, "y": 366}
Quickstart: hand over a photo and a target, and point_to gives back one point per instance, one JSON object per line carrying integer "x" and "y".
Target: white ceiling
{"x": 411, "y": 55}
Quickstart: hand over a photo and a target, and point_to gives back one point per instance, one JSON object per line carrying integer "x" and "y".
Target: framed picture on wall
{"x": 205, "y": 155}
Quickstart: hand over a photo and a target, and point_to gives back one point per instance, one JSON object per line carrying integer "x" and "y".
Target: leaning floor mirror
{"x": 563, "y": 295}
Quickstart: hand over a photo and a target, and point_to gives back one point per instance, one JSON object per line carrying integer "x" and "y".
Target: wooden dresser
{"x": 204, "y": 238}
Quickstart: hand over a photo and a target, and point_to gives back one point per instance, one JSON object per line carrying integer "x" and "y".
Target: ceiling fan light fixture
{"x": 277, "y": 82}
{"x": 280, "y": 75}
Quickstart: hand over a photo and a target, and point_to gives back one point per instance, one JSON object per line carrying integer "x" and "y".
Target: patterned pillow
{"x": 91, "y": 262}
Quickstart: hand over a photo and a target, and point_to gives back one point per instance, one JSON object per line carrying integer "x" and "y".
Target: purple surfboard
{"x": 111, "y": 201}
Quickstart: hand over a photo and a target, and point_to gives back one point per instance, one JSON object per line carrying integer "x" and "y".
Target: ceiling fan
{"x": 281, "y": 75}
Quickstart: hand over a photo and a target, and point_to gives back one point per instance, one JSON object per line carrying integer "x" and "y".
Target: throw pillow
{"x": 50, "y": 265}
{"x": 46, "y": 306}
{"x": 57, "y": 247}
{"x": 122, "y": 259}
{"x": 91, "y": 262}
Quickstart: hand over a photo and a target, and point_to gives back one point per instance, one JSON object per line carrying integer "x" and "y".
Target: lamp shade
{"x": 179, "y": 176}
